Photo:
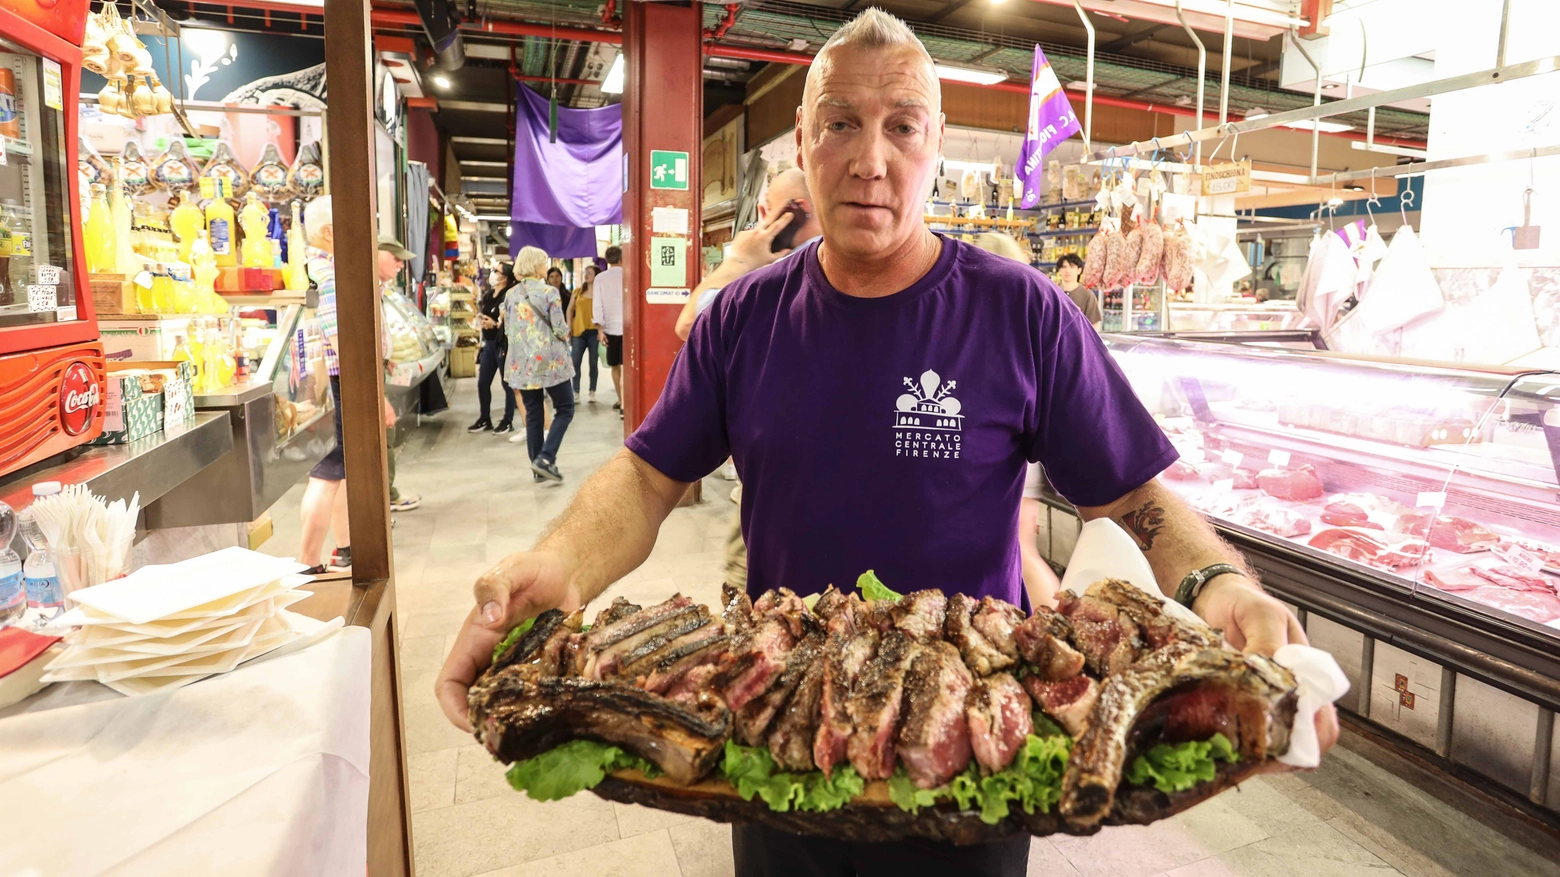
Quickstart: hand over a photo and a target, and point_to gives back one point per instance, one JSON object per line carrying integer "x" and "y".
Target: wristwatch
{"x": 1192, "y": 585}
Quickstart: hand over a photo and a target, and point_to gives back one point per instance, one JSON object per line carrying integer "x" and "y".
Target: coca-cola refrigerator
{"x": 51, "y": 361}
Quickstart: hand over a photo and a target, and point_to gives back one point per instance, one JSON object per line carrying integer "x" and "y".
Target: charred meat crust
{"x": 934, "y": 737}
{"x": 531, "y": 642}
{"x": 648, "y": 653}
{"x": 617, "y": 611}
{"x": 736, "y": 608}
{"x": 794, "y": 729}
{"x": 875, "y": 706}
{"x": 518, "y": 717}
{"x": 705, "y": 646}
{"x": 754, "y": 719}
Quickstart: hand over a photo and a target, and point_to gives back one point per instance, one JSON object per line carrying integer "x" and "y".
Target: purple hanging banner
{"x": 1051, "y": 120}
{"x": 575, "y": 181}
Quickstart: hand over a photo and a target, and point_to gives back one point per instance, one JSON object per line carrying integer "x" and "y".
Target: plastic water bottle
{"x": 43, "y": 583}
{"x": 13, "y": 590}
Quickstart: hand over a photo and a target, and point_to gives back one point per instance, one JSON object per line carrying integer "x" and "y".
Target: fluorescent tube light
{"x": 613, "y": 84}
{"x": 1322, "y": 125}
{"x": 972, "y": 75}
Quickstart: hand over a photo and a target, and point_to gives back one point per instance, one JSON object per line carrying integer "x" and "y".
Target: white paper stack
{"x": 164, "y": 627}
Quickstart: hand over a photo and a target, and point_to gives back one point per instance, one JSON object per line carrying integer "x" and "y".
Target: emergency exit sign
{"x": 668, "y": 169}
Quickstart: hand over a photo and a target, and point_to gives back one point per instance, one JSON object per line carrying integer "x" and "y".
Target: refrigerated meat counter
{"x": 1409, "y": 512}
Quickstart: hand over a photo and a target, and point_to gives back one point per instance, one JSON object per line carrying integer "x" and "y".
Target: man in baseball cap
{"x": 392, "y": 256}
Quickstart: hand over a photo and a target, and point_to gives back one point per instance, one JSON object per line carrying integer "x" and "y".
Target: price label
{"x": 1516, "y": 556}
{"x": 1431, "y": 499}
{"x": 1232, "y": 458}
{"x": 49, "y": 274}
{"x": 1224, "y": 485}
{"x": 1279, "y": 458}
{"x": 40, "y": 297}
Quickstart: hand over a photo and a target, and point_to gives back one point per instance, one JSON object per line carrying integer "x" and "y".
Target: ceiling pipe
{"x": 393, "y": 18}
{"x": 718, "y": 32}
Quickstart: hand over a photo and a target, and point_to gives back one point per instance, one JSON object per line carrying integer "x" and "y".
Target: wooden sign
{"x": 1227, "y": 179}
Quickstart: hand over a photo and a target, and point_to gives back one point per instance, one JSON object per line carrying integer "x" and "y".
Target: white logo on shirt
{"x": 927, "y": 422}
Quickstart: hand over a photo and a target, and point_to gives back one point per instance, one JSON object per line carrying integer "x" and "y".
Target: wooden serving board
{"x": 873, "y": 816}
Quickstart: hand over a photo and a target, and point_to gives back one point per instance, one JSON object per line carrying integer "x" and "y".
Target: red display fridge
{"x": 51, "y": 361}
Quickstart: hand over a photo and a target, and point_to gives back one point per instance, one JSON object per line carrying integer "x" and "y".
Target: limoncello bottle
{"x": 219, "y": 226}
{"x": 102, "y": 249}
{"x": 186, "y": 220}
{"x": 254, "y": 219}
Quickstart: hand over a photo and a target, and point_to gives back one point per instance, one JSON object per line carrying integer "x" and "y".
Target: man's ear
{"x": 797, "y": 133}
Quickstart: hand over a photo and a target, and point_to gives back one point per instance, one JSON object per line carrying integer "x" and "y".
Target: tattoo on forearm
{"x": 1145, "y": 523}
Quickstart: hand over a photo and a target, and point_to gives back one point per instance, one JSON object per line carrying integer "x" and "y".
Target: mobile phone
{"x": 786, "y": 239}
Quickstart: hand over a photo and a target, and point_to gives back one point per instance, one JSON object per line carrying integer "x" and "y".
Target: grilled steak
{"x": 874, "y": 706}
{"x": 736, "y": 609}
{"x": 1261, "y": 695}
{"x": 796, "y": 727}
{"x": 700, "y": 648}
{"x": 753, "y": 719}
{"x": 1042, "y": 641}
{"x": 847, "y": 651}
{"x": 934, "y": 741}
{"x": 602, "y": 647}
{"x": 543, "y": 642}
{"x": 979, "y": 654}
{"x": 829, "y": 602}
{"x": 785, "y": 605}
{"x": 920, "y": 615}
{"x": 646, "y": 656}
{"x": 754, "y": 661}
{"x": 518, "y": 716}
{"x": 998, "y": 712}
{"x": 1069, "y": 701}
{"x": 617, "y": 611}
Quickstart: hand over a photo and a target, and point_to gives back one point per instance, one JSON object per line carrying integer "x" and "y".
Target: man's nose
{"x": 870, "y": 161}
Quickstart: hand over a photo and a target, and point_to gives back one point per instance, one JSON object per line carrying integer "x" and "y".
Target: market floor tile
{"x": 1355, "y": 817}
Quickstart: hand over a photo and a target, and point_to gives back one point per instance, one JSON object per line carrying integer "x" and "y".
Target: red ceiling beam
{"x": 405, "y": 18}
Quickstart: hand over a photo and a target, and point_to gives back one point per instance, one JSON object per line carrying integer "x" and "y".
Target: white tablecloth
{"x": 260, "y": 771}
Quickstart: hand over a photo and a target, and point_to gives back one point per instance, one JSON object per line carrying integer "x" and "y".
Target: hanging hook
{"x": 1405, "y": 200}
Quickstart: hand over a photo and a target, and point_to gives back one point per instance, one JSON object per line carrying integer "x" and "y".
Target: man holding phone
{"x": 785, "y": 222}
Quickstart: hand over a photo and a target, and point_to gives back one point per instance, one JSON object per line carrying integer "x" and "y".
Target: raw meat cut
{"x": 1181, "y": 470}
{"x": 1541, "y": 607}
{"x": 1292, "y": 484}
{"x": 1455, "y": 580}
{"x": 1276, "y": 520}
{"x": 1516, "y": 578}
{"x": 1363, "y": 546}
{"x": 1342, "y": 513}
{"x": 1450, "y": 533}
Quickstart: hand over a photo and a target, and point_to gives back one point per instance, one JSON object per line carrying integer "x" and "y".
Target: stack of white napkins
{"x": 166, "y": 626}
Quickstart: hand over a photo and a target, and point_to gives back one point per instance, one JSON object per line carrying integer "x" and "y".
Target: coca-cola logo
{"x": 79, "y": 395}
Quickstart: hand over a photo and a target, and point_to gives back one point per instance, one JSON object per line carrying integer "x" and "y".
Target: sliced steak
{"x": 921, "y": 615}
{"x": 754, "y": 661}
{"x": 1108, "y": 641}
{"x": 796, "y": 727}
{"x": 736, "y": 609}
{"x": 604, "y": 657}
{"x": 784, "y": 604}
{"x": 1069, "y": 702}
{"x": 978, "y": 652}
{"x": 518, "y": 717}
{"x": 646, "y": 656}
{"x": 934, "y": 739}
{"x": 1042, "y": 641}
{"x": 754, "y": 718}
{"x": 875, "y": 704}
{"x": 847, "y": 651}
{"x": 829, "y": 603}
{"x": 998, "y": 711}
{"x": 532, "y": 646}
{"x": 617, "y": 611}
{"x": 996, "y": 620}
{"x": 701, "y": 648}
{"x": 622, "y": 632}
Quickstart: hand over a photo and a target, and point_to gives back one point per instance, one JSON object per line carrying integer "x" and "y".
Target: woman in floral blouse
{"x": 539, "y": 359}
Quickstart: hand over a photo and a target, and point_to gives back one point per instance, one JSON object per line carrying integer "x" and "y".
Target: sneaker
{"x": 517, "y": 439}
{"x": 317, "y": 570}
{"x": 479, "y": 426}
{"x": 547, "y": 469}
{"x": 341, "y": 558}
{"x": 504, "y": 428}
{"x": 728, "y": 470}
{"x": 591, "y": 398}
{"x": 617, "y": 406}
{"x": 405, "y": 503}
{"x": 537, "y": 477}
{"x": 736, "y": 494}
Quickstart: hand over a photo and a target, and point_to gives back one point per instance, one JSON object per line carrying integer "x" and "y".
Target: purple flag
{"x": 1051, "y": 120}
{"x": 575, "y": 182}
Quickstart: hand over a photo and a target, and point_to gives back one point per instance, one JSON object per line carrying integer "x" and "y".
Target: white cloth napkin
{"x": 1105, "y": 551}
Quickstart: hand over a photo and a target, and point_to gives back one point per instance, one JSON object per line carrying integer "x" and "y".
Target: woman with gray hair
{"x": 539, "y": 360}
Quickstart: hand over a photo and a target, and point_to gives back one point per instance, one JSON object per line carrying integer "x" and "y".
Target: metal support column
{"x": 1088, "y": 99}
{"x": 663, "y": 111}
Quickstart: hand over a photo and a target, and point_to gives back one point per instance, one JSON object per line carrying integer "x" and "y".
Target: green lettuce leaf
{"x": 513, "y": 637}
{"x": 1179, "y": 766}
{"x": 1033, "y": 781}
{"x": 571, "y": 768}
{"x": 752, "y": 771}
{"x": 872, "y": 588}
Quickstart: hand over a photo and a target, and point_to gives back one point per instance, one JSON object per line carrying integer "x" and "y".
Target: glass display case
{"x": 294, "y": 366}
{"x": 1439, "y": 485}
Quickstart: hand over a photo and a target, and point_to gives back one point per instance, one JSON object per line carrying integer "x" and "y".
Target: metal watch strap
{"x": 1192, "y": 585}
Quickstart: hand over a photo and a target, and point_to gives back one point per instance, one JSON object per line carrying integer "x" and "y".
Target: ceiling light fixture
{"x": 972, "y": 75}
{"x": 613, "y": 84}
{"x": 1324, "y": 126}
{"x": 441, "y": 81}
{"x": 491, "y": 217}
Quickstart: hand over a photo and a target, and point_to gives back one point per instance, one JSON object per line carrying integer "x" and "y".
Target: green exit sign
{"x": 668, "y": 169}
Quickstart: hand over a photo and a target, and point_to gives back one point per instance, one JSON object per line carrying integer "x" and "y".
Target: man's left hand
{"x": 1257, "y": 623}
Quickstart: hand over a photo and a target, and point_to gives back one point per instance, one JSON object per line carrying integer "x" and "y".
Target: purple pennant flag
{"x": 1051, "y": 120}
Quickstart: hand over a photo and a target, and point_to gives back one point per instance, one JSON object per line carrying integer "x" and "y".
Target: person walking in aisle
{"x": 555, "y": 280}
{"x": 891, "y": 306}
{"x": 391, "y": 258}
{"x": 495, "y": 346}
{"x": 609, "y": 317}
{"x": 1069, "y": 268}
{"x": 582, "y": 328}
{"x": 538, "y": 361}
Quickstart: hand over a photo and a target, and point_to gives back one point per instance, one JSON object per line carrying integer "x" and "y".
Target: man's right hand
{"x": 522, "y": 585}
{"x": 750, "y": 249}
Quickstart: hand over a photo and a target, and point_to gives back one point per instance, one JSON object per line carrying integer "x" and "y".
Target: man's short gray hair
{"x": 317, "y": 216}
{"x": 875, "y": 29}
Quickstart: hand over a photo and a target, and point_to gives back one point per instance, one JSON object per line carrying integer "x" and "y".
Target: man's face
{"x": 869, "y": 134}
{"x": 1068, "y": 272}
{"x": 389, "y": 266}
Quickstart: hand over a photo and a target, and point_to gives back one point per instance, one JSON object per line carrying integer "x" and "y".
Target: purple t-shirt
{"x": 892, "y": 433}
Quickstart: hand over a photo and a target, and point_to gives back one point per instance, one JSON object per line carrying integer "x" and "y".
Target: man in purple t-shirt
{"x": 881, "y": 393}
